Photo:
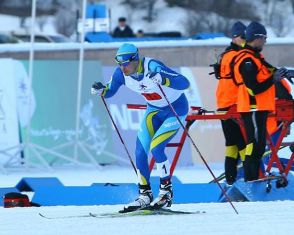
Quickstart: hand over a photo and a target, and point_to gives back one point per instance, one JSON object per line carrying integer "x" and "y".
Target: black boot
{"x": 231, "y": 170}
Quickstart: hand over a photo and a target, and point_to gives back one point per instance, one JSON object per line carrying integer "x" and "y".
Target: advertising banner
{"x": 53, "y": 124}
{"x": 9, "y": 126}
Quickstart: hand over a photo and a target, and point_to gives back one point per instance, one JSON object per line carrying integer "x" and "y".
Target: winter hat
{"x": 127, "y": 53}
{"x": 238, "y": 29}
{"x": 255, "y": 30}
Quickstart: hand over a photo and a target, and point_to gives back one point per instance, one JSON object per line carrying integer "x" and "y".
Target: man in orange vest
{"x": 256, "y": 95}
{"x": 226, "y": 96}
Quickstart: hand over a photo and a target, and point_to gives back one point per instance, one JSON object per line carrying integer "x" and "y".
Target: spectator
{"x": 226, "y": 96}
{"x": 140, "y": 33}
{"x": 256, "y": 95}
{"x": 123, "y": 30}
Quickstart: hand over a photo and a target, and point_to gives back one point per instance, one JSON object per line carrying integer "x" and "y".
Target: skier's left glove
{"x": 97, "y": 88}
{"x": 156, "y": 78}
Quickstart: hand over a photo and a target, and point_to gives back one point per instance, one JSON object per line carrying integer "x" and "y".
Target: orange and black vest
{"x": 247, "y": 101}
{"x": 227, "y": 89}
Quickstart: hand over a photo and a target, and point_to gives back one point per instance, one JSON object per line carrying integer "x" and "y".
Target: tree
{"x": 65, "y": 21}
{"x": 147, "y": 4}
{"x": 279, "y": 16}
{"x": 203, "y": 22}
{"x": 226, "y": 8}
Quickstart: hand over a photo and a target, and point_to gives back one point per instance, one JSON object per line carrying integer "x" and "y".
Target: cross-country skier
{"x": 144, "y": 75}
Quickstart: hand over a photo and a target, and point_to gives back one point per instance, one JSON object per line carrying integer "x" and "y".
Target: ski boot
{"x": 143, "y": 201}
{"x": 165, "y": 196}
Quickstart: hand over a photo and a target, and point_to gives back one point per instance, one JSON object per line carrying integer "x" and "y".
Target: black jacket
{"x": 126, "y": 33}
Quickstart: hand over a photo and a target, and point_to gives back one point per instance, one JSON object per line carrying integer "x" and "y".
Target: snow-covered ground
{"x": 253, "y": 218}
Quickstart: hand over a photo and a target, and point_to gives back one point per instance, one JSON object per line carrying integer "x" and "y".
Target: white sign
{"x": 17, "y": 105}
{"x": 9, "y": 130}
{"x": 94, "y": 25}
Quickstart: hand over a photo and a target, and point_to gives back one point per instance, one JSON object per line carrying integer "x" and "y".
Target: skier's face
{"x": 130, "y": 68}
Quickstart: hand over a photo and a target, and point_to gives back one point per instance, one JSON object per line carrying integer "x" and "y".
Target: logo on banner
{"x": 3, "y": 128}
{"x": 2, "y": 113}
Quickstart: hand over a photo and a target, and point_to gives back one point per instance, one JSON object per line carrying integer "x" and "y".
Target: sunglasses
{"x": 260, "y": 35}
{"x": 119, "y": 59}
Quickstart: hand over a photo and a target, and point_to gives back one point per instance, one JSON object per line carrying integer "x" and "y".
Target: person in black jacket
{"x": 123, "y": 30}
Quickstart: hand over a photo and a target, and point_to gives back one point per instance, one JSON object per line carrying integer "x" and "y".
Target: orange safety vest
{"x": 264, "y": 101}
{"x": 227, "y": 89}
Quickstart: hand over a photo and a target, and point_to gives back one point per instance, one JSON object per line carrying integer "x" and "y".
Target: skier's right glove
{"x": 97, "y": 88}
{"x": 156, "y": 78}
{"x": 279, "y": 74}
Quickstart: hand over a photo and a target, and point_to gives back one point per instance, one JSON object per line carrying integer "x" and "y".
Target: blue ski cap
{"x": 255, "y": 30}
{"x": 126, "y": 53}
{"x": 238, "y": 29}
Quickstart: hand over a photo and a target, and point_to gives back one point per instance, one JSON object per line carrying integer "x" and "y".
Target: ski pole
{"x": 198, "y": 151}
{"x": 119, "y": 135}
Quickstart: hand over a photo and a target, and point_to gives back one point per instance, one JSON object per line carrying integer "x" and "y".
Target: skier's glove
{"x": 97, "y": 88}
{"x": 156, "y": 78}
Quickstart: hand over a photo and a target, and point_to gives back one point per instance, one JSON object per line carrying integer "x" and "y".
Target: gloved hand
{"x": 279, "y": 74}
{"x": 156, "y": 78}
{"x": 290, "y": 74}
{"x": 97, "y": 88}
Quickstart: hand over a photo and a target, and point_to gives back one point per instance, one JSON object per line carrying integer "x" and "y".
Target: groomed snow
{"x": 253, "y": 218}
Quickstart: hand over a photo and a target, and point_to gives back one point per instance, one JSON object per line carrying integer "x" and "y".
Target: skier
{"x": 144, "y": 75}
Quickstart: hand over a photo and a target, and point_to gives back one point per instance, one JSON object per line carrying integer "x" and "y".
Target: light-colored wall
{"x": 276, "y": 54}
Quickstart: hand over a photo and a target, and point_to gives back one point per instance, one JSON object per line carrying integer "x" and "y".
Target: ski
{"x": 281, "y": 181}
{"x": 268, "y": 178}
{"x": 64, "y": 217}
{"x": 144, "y": 212}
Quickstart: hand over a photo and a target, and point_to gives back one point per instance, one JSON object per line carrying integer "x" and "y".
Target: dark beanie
{"x": 255, "y": 30}
{"x": 238, "y": 29}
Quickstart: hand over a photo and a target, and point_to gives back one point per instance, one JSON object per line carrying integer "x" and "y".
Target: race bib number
{"x": 151, "y": 96}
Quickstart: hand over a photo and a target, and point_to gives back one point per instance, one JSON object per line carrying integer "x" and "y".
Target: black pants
{"x": 234, "y": 139}
{"x": 255, "y": 126}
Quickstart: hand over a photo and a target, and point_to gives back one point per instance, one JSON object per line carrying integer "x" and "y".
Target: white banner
{"x": 9, "y": 130}
{"x": 94, "y": 25}
{"x": 14, "y": 107}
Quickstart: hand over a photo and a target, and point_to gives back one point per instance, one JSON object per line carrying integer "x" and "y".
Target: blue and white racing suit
{"x": 159, "y": 124}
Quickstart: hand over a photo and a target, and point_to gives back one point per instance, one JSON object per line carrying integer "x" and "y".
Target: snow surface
{"x": 253, "y": 218}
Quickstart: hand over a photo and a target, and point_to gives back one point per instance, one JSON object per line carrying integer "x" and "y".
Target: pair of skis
{"x": 142, "y": 212}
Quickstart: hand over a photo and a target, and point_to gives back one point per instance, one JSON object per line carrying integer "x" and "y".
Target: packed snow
{"x": 253, "y": 218}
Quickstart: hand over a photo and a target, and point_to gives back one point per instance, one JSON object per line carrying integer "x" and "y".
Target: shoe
{"x": 143, "y": 201}
{"x": 165, "y": 196}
